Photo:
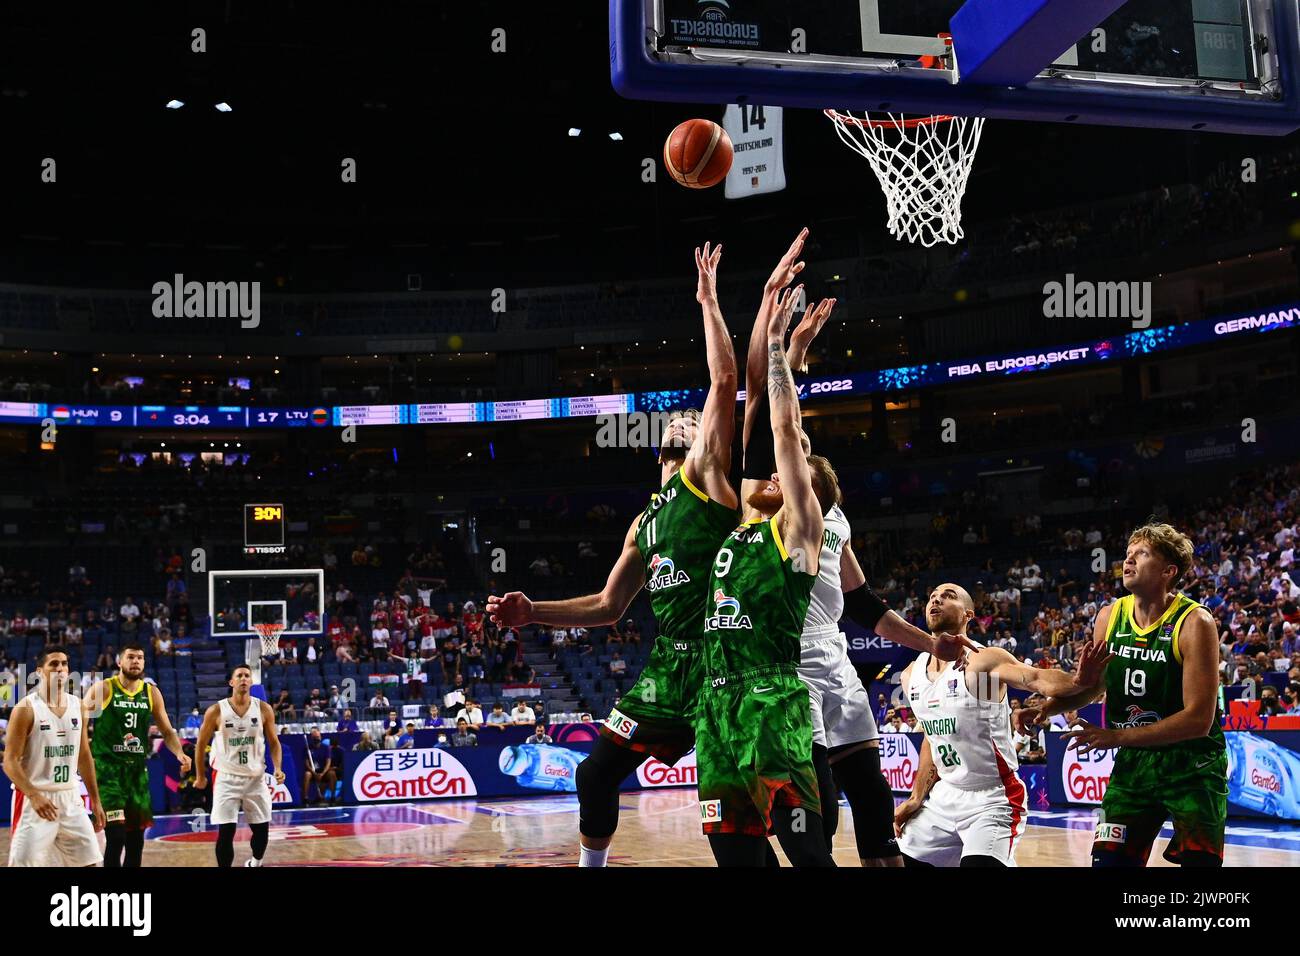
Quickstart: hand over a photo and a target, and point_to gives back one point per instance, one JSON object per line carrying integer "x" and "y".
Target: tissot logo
{"x": 77, "y": 909}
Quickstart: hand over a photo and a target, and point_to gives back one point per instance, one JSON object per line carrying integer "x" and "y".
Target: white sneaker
{"x": 252, "y": 861}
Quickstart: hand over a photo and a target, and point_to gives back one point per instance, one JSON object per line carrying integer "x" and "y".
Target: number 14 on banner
{"x": 756, "y": 137}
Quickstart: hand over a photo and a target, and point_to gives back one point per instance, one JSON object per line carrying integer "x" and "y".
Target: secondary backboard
{"x": 1222, "y": 65}
{"x": 237, "y": 600}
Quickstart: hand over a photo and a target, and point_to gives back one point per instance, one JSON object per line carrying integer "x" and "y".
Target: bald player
{"x": 967, "y": 806}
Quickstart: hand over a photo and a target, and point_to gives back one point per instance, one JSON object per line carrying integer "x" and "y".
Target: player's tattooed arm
{"x": 709, "y": 461}
{"x": 593, "y": 610}
{"x": 756, "y": 361}
{"x": 1047, "y": 682}
{"x": 800, "y": 516}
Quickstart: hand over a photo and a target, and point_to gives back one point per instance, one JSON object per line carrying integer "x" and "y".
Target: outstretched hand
{"x": 706, "y": 263}
{"x": 789, "y": 267}
{"x": 513, "y": 610}
{"x": 783, "y": 313}
{"x": 1091, "y": 666}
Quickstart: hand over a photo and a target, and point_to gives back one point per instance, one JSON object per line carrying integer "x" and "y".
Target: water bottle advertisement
{"x": 1263, "y": 774}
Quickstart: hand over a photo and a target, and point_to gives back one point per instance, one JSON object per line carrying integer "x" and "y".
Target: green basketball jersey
{"x": 1144, "y": 683}
{"x": 678, "y": 536}
{"x": 122, "y": 730}
{"x": 757, "y": 602}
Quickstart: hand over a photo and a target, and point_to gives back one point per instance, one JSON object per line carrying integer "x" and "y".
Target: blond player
{"x": 242, "y": 729}
{"x": 48, "y": 746}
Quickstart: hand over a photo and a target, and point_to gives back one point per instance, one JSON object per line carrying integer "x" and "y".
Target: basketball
{"x": 698, "y": 154}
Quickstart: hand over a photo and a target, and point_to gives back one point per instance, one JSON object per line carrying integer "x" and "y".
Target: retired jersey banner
{"x": 756, "y": 137}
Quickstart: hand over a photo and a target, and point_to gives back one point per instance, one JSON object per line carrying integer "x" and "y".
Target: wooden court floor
{"x": 656, "y": 828}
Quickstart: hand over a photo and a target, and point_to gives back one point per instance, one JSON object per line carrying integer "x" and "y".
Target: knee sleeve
{"x": 114, "y": 841}
{"x": 975, "y": 860}
{"x": 598, "y": 778}
{"x": 830, "y": 795}
{"x": 871, "y": 801}
{"x": 739, "y": 849}
{"x": 225, "y": 844}
{"x": 261, "y": 836}
{"x": 801, "y": 838}
{"x": 134, "y": 849}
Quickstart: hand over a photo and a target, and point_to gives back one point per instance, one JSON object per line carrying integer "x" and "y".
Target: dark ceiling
{"x": 466, "y": 171}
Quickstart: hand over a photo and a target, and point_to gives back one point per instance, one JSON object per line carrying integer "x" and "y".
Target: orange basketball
{"x": 698, "y": 154}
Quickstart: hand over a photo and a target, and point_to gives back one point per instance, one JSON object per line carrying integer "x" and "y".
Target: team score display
{"x": 839, "y": 385}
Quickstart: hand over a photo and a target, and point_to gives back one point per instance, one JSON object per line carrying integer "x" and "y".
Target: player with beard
{"x": 1162, "y": 711}
{"x": 967, "y": 807}
{"x": 668, "y": 550}
{"x": 846, "y": 742}
{"x": 123, "y": 707}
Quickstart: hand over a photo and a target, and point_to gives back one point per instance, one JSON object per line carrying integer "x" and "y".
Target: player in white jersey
{"x": 846, "y": 742}
{"x": 47, "y": 746}
{"x": 242, "y": 730}
{"x": 967, "y": 805}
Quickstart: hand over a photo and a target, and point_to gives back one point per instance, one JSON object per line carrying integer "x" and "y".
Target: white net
{"x": 923, "y": 165}
{"x": 270, "y": 635}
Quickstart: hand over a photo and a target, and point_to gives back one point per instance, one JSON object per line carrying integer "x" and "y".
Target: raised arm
{"x": 756, "y": 360}
{"x": 709, "y": 459}
{"x": 593, "y": 610}
{"x": 800, "y": 517}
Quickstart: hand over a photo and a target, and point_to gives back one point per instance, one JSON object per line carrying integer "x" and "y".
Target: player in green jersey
{"x": 1162, "y": 712}
{"x": 123, "y": 707}
{"x": 846, "y": 746}
{"x": 756, "y": 773}
{"x": 668, "y": 550}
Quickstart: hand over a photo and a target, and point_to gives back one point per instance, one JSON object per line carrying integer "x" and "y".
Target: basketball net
{"x": 270, "y": 634}
{"x": 923, "y": 165}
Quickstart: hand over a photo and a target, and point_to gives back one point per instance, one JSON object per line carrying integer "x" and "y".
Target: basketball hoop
{"x": 923, "y": 164}
{"x": 270, "y": 634}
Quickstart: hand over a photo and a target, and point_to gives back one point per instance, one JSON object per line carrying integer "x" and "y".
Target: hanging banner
{"x": 759, "y": 166}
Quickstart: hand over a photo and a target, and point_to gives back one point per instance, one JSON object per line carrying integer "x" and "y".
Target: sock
{"x": 589, "y": 857}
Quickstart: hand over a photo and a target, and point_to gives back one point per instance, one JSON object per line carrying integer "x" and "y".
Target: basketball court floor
{"x": 656, "y": 828}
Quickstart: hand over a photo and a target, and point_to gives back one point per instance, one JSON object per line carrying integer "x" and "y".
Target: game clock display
{"x": 264, "y": 529}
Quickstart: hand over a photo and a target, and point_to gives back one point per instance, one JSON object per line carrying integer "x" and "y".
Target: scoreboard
{"x": 264, "y": 529}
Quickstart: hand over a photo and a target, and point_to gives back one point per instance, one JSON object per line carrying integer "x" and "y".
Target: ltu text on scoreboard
{"x": 1136, "y": 344}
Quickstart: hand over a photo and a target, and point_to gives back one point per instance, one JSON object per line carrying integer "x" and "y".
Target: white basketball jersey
{"x": 239, "y": 746}
{"x": 970, "y": 737}
{"x": 54, "y": 744}
{"x": 827, "y": 602}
